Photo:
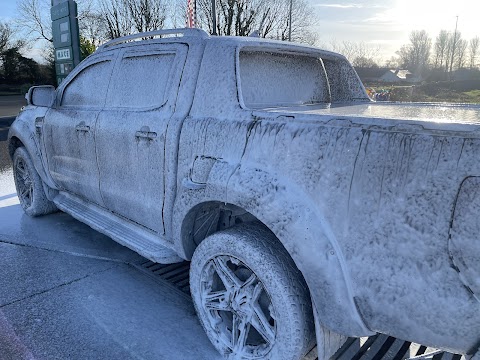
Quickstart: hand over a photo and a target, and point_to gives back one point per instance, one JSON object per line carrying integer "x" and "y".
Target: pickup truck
{"x": 309, "y": 212}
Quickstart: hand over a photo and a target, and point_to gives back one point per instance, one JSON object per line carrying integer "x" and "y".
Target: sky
{"x": 388, "y": 23}
{"x": 384, "y": 23}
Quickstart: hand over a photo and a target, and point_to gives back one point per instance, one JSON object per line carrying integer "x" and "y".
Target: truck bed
{"x": 436, "y": 114}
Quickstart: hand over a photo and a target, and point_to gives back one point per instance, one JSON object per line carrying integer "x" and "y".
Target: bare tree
{"x": 6, "y": 34}
{"x": 303, "y": 18}
{"x": 115, "y": 15}
{"x": 415, "y": 55}
{"x": 454, "y": 46}
{"x": 359, "y": 54}
{"x": 420, "y": 45}
{"x": 460, "y": 53}
{"x": 473, "y": 51}
{"x": 147, "y": 15}
{"x": 269, "y": 18}
{"x": 234, "y": 17}
{"x": 124, "y": 17}
{"x": 93, "y": 28}
{"x": 392, "y": 63}
{"x": 34, "y": 17}
{"x": 441, "y": 49}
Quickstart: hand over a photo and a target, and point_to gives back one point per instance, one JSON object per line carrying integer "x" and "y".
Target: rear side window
{"x": 89, "y": 87}
{"x": 270, "y": 79}
{"x": 141, "y": 80}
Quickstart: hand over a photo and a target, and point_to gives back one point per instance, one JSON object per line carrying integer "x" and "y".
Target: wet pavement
{"x": 68, "y": 292}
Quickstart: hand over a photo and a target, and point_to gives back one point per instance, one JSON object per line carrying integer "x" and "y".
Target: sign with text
{"x": 66, "y": 40}
{"x": 60, "y": 11}
{"x": 63, "y": 54}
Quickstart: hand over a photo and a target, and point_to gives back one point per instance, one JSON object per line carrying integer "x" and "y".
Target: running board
{"x": 135, "y": 237}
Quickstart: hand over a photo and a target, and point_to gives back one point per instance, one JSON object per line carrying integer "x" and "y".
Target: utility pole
{"x": 453, "y": 47}
{"x": 290, "y": 22}
{"x": 214, "y": 18}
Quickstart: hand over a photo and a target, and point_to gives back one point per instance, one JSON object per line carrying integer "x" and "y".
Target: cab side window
{"x": 141, "y": 80}
{"x": 89, "y": 87}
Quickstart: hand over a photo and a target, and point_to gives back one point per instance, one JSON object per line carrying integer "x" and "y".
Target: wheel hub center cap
{"x": 240, "y": 303}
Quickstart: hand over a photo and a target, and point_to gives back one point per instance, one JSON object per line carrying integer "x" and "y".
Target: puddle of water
{"x": 8, "y": 193}
{"x": 5, "y": 162}
{"x": 7, "y": 185}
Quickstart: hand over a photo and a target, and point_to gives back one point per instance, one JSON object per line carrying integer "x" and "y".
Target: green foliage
{"x": 17, "y": 69}
{"x": 86, "y": 47}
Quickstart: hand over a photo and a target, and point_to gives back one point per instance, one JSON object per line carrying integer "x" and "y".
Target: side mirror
{"x": 41, "y": 95}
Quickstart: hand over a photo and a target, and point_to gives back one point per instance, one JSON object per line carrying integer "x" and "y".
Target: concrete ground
{"x": 68, "y": 292}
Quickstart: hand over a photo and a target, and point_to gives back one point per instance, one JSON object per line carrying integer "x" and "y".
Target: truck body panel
{"x": 372, "y": 201}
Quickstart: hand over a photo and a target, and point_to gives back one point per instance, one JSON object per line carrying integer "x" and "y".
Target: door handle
{"x": 39, "y": 124}
{"x": 149, "y": 135}
{"x": 82, "y": 127}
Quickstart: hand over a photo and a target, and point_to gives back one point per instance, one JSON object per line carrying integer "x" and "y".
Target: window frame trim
{"x": 74, "y": 74}
{"x": 180, "y": 52}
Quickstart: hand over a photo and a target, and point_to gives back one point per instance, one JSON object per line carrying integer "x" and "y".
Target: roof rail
{"x": 184, "y": 32}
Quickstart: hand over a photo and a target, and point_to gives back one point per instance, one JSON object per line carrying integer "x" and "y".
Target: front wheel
{"x": 251, "y": 299}
{"x": 29, "y": 185}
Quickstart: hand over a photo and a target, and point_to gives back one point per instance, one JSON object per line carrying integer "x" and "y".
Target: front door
{"x": 69, "y": 130}
{"x": 131, "y": 131}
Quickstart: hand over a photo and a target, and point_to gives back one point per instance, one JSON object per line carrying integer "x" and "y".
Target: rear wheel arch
{"x": 13, "y": 145}
{"x": 325, "y": 277}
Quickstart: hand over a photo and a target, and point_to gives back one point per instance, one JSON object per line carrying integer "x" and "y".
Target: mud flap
{"x": 328, "y": 342}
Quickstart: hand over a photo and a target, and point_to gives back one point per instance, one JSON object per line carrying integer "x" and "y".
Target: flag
{"x": 191, "y": 14}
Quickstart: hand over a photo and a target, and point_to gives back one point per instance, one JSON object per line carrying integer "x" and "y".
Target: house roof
{"x": 401, "y": 74}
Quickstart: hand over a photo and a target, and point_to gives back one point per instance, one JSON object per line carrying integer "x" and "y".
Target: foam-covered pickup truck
{"x": 309, "y": 213}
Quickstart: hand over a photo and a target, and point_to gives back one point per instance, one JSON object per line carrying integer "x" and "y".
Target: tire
{"x": 243, "y": 278}
{"x": 29, "y": 185}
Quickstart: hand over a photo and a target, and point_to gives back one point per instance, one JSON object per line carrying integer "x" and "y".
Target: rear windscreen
{"x": 269, "y": 79}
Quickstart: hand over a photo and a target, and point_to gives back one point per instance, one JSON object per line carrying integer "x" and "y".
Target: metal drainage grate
{"x": 377, "y": 347}
{"x": 176, "y": 274}
{"x": 383, "y": 347}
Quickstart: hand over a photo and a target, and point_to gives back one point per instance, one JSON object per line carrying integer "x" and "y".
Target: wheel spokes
{"x": 229, "y": 279}
{"x": 262, "y": 325}
{"x": 217, "y": 300}
{"x": 236, "y": 298}
{"x": 249, "y": 281}
{"x": 20, "y": 170}
{"x": 240, "y": 329}
{"x": 24, "y": 192}
{"x": 24, "y": 184}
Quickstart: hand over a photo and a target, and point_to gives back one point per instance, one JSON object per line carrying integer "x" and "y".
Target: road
{"x": 10, "y": 105}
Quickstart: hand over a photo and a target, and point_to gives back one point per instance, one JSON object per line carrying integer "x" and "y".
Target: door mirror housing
{"x": 41, "y": 95}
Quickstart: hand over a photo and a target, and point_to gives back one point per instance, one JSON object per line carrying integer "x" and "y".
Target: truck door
{"x": 69, "y": 130}
{"x": 131, "y": 131}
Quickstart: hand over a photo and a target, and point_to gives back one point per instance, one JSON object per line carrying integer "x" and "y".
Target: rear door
{"x": 69, "y": 129}
{"x": 131, "y": 131}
